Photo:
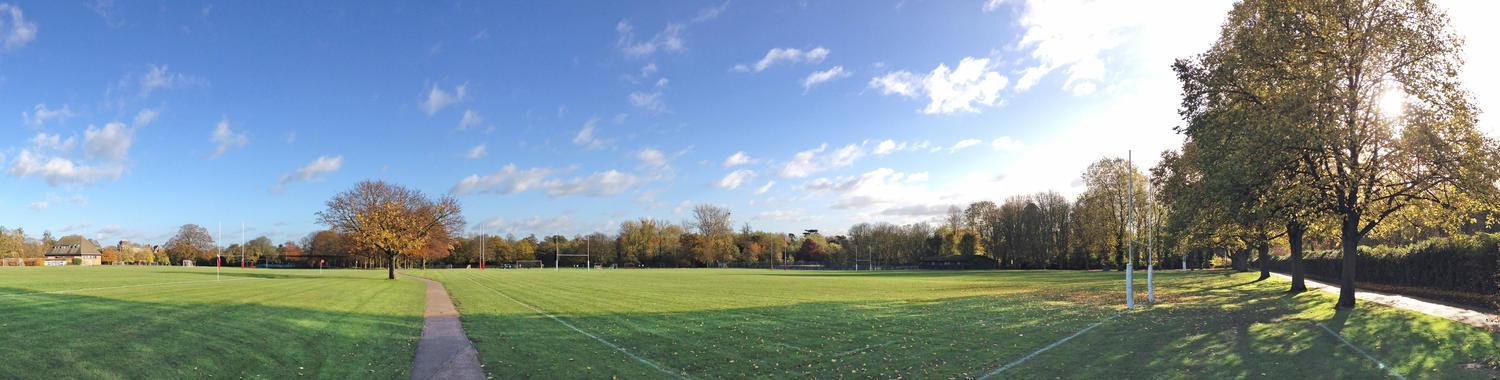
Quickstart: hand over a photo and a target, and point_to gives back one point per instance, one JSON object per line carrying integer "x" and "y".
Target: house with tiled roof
{"x": 73, "y": 250}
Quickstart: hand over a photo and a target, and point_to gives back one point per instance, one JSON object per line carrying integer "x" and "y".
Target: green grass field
{"x": 757, "y": 323}
{"x": 161, "y": 322}
{"x": 174, "y": 322}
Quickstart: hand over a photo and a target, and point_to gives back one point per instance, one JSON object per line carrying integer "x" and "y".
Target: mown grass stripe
{"x": 585, "y": 333}
{"x": 1023, "y": 359}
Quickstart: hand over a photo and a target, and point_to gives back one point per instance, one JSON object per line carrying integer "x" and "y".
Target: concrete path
{"x": 1456, "y": 314}
{"x": 444, "y": 351}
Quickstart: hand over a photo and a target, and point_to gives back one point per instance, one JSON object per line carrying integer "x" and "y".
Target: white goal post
{"x": 188, "y": 263}
{"x": 557, "y": 260}
{"x": 520, "y": 264}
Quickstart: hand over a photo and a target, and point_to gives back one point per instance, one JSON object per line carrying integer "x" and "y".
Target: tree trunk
{"x": 1349, "y": 243}
{"x": 1264, "y": 253}
{"x": 1238, "y": 259}
{"x": 1294, "y": 231}
{"x": 391, "y": 264}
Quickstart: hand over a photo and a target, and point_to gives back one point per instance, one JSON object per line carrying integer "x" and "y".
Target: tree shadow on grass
{"x": 1211, "y": 330}
{"x": 76, "y": 336}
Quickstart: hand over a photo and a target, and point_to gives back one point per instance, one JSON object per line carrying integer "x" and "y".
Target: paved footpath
{"x": 1456, "y": 314}
{"x": 444, "y": 351}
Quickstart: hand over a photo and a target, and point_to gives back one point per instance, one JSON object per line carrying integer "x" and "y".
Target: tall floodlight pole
{"x": 1130, "y": 242}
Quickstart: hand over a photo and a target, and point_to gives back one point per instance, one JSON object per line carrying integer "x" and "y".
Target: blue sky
{"x": 128, "y": 119}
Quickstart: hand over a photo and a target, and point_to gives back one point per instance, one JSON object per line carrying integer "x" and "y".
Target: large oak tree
{"x": 391, "y": 220}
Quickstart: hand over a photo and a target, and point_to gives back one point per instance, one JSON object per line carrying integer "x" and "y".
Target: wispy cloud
{"x": 15, "y": 30}
{"x": 784, "y": 55}
{"x": 225, "y": 138}
{"x": 312, "y": 171}
{"x": 437, "y": 98}
{"x": 820, "y": 77}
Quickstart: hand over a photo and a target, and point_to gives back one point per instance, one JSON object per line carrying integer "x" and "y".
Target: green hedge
{"x": 1461, "y": 269}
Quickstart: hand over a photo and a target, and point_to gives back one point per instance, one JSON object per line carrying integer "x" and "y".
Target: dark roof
{"x": 73, "y": 245}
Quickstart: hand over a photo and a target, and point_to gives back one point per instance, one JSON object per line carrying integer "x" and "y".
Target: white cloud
{"x": 225, "y": 138}
{"x": 599, "y": 184}
{"x": 815, "y": 160}
{"x": 902, "y": 83}
{"x": 158, "y": 77}
{"x": 965, "y": 143}
{"x": 736, "y": 178}
{"x": 586, "y": 136}
{"x": 437, "y": 98}
{"x": 15, "y": 30}
{"x": 38, "y": 205}
{"x": 973, "y": 82}
{"x": 738, "y": 158}
{"x": 111, "y": 142}
{"x": 990, "y": 5}
{"x": 315, "y": 170}
{"x": 58, "y": 171}
{"x": 1089, "y": 40}
{"x": 669, "y": 40}
{"x": 651, "y": 157}
{"x": 784, "y": 55}
{"x": 471, "y": 119}
{"x": 44, "y": 142}
{"x": 476, "y": 152}
{"x": 145, "y": 117}
{"x": 1007, "y": 144}
{"x": 888, "y": 146}
{"x": 649, "y": 101}
{"x": 507, "y": 180}
{"x": 41, "y": 114}
{"x": 820, "y": 77}
{"x": 765, "y": 188}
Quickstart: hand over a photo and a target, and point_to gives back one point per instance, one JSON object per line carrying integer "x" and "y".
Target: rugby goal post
{"x": 557, "y": 260}
{"x": 525, "y": 264}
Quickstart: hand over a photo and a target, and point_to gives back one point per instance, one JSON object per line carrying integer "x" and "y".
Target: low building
{"x": 73, "y": 250}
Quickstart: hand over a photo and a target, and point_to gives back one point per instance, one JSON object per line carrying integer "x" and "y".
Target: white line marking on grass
{"x": 1361, "y": 352}
{"x": 586, "y": 333}
{"x": 120, "y": 287}
{"x": 1049, "y": 347}
{"x": 861, "y": 349}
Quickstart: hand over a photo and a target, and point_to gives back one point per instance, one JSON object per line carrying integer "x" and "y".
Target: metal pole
{"x": 1151, "y": 259}
{"x": 1130, "y": 245}
{"x": 556, "y": 257}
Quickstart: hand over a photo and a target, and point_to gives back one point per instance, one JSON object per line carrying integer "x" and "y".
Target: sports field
{"x": 175, "y": 322}
{"x": 161, "y": 322}
{"x": 758, "y": 323}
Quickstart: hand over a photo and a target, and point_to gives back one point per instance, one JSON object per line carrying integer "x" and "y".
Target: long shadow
{"x": 60, "y": 336}
{"x": 1253, "y": 332}
{"x": 258, "y": 273}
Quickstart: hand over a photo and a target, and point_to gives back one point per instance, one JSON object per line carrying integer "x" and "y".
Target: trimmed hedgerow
{"x": 1459, "y": 269}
